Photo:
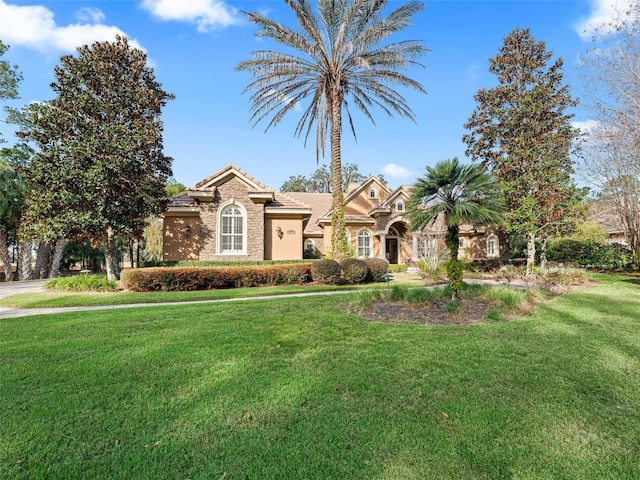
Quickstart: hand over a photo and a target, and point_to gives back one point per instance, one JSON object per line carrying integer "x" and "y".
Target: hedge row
{"x": 170, "y": 279}
{"x": 350, "y": 270}
{"x": 216, "y": 263}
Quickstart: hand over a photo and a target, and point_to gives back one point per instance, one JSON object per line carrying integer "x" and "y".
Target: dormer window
{"x": 400, "y": 206}
{"x": 373, "y": 193}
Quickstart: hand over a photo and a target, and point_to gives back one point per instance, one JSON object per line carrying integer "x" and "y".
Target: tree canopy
{"x": 320, "y": 180}
{"x": 100, "y": 169}
{"x": 10, "y": 78}
{"x": 521, "y": 131}
{"x": 340, "y": 54}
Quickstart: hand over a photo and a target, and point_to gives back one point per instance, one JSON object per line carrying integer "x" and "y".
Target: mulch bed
{"x": 432, "y": 313}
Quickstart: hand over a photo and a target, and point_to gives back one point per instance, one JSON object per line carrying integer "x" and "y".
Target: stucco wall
{"x": 178, "y": 243}
{"x": 287, "y": 245}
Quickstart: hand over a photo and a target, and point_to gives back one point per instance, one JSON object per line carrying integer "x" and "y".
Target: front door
{"x": 392, "y": 250}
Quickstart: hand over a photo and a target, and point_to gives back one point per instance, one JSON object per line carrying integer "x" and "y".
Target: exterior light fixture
{"x": 279, "y": 232}
{"x": 187, "y": 230}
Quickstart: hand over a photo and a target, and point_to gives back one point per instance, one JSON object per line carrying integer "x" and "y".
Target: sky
{"x": 195, "y": 45}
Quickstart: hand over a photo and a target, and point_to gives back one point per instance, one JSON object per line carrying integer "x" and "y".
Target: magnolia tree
{"x": 521, "y": 131}
{"x": 100, "y": 169}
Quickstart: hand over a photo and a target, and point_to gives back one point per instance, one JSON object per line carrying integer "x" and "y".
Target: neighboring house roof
{"x": 320, "y": 204}
{"x": 608, "y": 220}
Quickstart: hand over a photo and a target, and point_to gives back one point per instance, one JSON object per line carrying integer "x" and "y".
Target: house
{"x": 232, "y": 216}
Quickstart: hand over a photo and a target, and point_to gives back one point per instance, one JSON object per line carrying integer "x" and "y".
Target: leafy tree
{"x": 320, "y": 180}
{"x": 10, "y": 77}
{"x": 173, "y": 187}
{"x": 522, "y": 132}
{"x": 12, "y": 193}
{"x": 100, "y": 170}
{"x": 458, "y": 194}
{"x": 339, "y": 53}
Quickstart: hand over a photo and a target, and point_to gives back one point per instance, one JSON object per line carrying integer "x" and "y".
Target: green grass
{"x": 298, "y": 388}
{"x": 56, "y": 299}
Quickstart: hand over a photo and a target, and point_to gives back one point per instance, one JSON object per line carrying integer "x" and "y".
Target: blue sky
{"x": 194, "y": 46}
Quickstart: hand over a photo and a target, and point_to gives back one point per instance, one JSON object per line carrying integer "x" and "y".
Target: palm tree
{"x": 459, "y": 194}
{"x": 338, "y": 54}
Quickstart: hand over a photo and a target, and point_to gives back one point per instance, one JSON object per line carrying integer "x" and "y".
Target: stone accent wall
{"x": 236, "y": 190}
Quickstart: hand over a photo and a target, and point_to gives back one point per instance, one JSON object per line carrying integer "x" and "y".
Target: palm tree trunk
{"x": 25, "y": 272}
{"x": 4, "y": 255}
{"x": 43, "y": 257}
{"x": 56, "y": 258}
{"x": 339, "y": 247}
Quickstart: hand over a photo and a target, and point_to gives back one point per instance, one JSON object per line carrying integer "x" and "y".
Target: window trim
{"x": 493, "y": 238}
{"x": 219, "y": 231}
{"x": 399, "y": 206}
{"x": 373, "y": 193}
{"x": 364, "y": 233}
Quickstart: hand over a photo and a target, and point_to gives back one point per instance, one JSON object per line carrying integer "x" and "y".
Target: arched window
{"x": 364, "y": 244}
{"x": 493, "y": 247}
{"x": 461, "y": 242}
{"x": 400, "y": 206}
{"x": 232, "y": 230}
{"x": 373, "y": 193}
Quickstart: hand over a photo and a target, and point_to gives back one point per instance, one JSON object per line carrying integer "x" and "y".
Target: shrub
{"x": 207, "y": 278}
{"x": 83, "y": 283}
{"x": 596, "y": 256}
{"x": 454, "y": 277}
{"x": 326, "y": 271}
{"x": 354, "y": 270}
{"x": 395, "y": 268}
{"x": 378, "y": 267}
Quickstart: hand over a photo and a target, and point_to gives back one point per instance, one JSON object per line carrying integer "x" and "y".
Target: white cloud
{"x": 394, "y": 170}
{"x": 90, "y": 15}
{"x": 605, "y": 15}
{"x": 34, "y": 27}
{"x": 206, "y": 14}
{"x": 586, "y": 127}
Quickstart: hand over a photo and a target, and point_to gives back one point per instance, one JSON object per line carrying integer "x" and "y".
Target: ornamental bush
{"x": 354, "y": 270}
{"x": 170, "y": 279}
{"x": 595, "y": 256}
{"x": 326, "y": 271}
{"x": 378, "y": 267}
{"x": 83, "y": 283}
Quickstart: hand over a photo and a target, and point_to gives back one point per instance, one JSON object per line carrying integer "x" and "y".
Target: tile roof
{"x": 320, "y": 204}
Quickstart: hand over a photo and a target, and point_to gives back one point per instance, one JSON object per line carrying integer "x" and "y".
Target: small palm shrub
{"x": 326, "y": 271}
{"x": 378, "y": 267}
{"x": 354, "y": 270}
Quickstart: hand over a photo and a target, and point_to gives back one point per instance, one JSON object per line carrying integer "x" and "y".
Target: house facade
{"x": 232, "y": 216}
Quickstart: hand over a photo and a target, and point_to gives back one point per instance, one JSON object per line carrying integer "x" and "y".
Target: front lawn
{"x": 301, "y": 388}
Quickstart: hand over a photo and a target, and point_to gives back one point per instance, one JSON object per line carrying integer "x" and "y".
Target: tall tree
{"x": 12, "y": 193}
{"x": 10, "y": 77}
{"x": 458, "y": 194}
{"x": 521, "y": 131}
{"x": 100, "y": 170}
{"x": 320, "y": 180}
{"x": 612, "y": 151}
{"x": 339, "y": 53}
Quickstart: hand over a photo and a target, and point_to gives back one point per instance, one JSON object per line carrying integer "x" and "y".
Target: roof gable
{"x": 224, "y": 175}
